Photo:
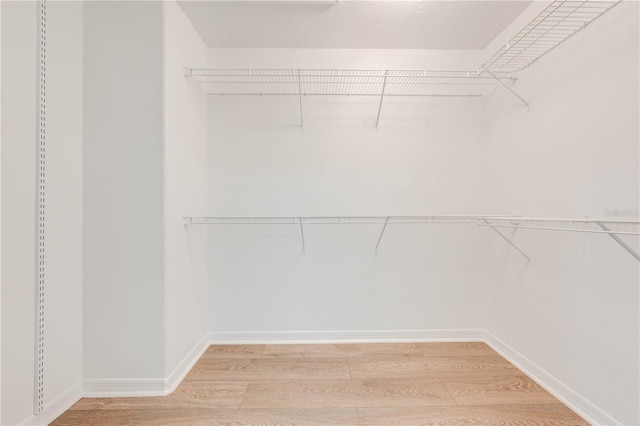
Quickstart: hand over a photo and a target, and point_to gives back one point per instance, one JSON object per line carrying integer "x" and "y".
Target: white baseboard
{"x": 113, "y": 388}
{"x": 187, "y": 363}
{"x": 564, "y": 393}
{"x": 106, "y": 388}
{"x": 343, "y": 336}
{"x": 57, "y": 406}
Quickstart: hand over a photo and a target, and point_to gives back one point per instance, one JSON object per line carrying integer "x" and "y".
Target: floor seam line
{"x": 447, "y": 390}
{"x": 244, "y": 395}
{"x": 264, "y": 348}
{"x": 126, "y": 419}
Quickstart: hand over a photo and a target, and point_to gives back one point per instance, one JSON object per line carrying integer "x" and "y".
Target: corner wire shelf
{"x": 558, "y": 22}
{"x": 492, "y": 221}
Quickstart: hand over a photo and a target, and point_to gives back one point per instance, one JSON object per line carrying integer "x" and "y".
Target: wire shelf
{"x": 554, "y": 25}
{"x": 370, "y": 220}
{"x": 337, "y": 220}
{"x": 559, "y": 21}
{"x": 494, "y": 222}
{"x": 344, "y": 82}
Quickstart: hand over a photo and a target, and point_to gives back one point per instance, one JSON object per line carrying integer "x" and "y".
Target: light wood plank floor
{"x": 417, "y": 384}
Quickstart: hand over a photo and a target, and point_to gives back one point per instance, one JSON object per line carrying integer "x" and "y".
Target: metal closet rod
{"x": 491, "y": 221}
{"x": 502, "y": 220}
{"x": 337, "y": 220}
{"x": 589, "y": 231}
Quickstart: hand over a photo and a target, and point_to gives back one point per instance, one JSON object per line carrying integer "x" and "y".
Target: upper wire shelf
{"x": 558, "y": 22}
{"x": 344, "y": 82}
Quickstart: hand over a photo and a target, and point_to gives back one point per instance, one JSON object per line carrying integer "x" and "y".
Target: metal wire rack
{"x": 558, "y": 22}
{"x": 344, "y": 82}
{"x": 580, "y": 225}
{"x": 335, "y": 82}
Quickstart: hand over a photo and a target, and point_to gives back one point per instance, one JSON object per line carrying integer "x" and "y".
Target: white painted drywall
{"x": 123, "y": 191}
{"x": 0, "y": 206}
{"x": 575, "y": 312}
{"x": 63, "y": 331}
{"x": 63, "y": 359}
{"x": 18, "y": 213}
{"x": 185, "y": 188}
{"x": 345, "y": 58}
{"x": 352, "y": 24}
{"x": 422, "y": 160}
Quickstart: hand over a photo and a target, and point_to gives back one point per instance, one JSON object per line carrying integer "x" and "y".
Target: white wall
{"x": 0, "y": 205}
{"x": 422, "y": 160}
{"x": 185, "y": 188}
{"x": 18, "y": 215}
{"x": 575, "y": 312}
{"x": 63, "y": 309}
{"x": 345, "y": 58}
{"x": 123, "y": 191}
{"x": 63, "y": 361}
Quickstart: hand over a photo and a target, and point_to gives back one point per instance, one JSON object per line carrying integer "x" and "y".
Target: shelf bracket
{"x": 513, "y": 92}
{"x": 511, "y": 243}
{"x": 300, "y": 98}
{"x": 382, "y": 233}
{"x": 304, "y": 248}
{"x": 618, "y": 240}
{"x": 384, "y": 86}
{"x": 188, "y": 72}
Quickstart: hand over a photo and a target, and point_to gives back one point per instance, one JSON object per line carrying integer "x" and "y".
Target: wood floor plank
{"x": 190, "y": 394}
{"x": 261, "y": 417}
{"x": 348, "y": 350}
{"x": 516, "y": 415}
{"x": 92, "y": 418}
{"x": 434, "y": 367}
{"x": 234, "y": 351}
{"x": 269, "y": 369}
{"x": 437, "y": 384}
{"x": 497, "y": 390}
{"x": 455, "y": 349}
{"x": 345, "y": 393}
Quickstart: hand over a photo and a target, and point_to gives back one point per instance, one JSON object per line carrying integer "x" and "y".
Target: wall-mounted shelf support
{"x": 503, "y": 84}
{"x": 384, "y": 86}
{"x": 511, "y": 243}
{"x": 300, "y": 98}
{"x": 40, "y": 210}
{"x": 386, "y": 222}
{"x": 618, "y": 240}
{"x": 304, "y": 247}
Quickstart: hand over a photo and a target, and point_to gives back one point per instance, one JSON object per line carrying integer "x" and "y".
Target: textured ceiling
{"x": 351, "y": 24}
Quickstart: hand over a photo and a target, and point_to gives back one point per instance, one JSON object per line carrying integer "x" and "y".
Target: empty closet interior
{"x": 299, "y": 171}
